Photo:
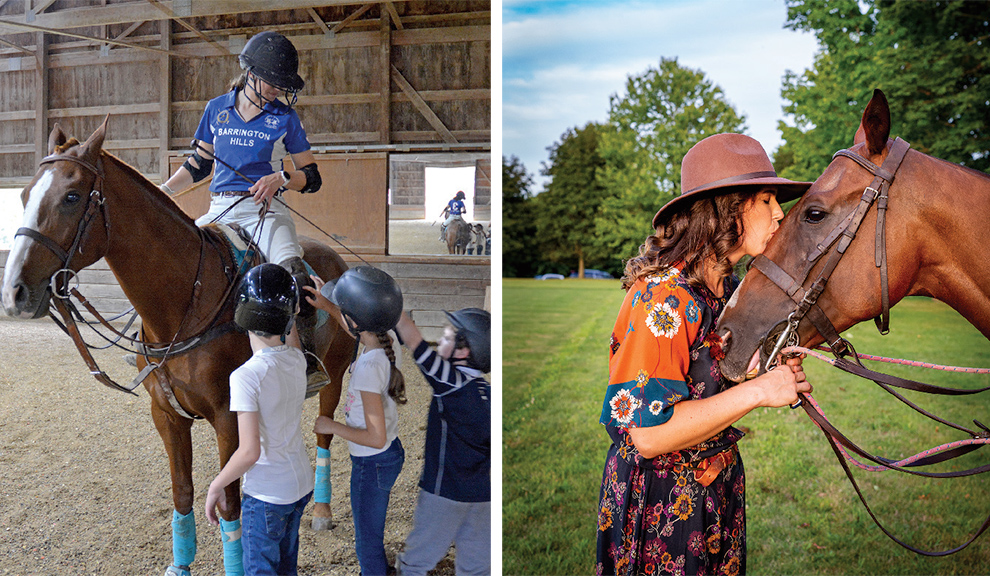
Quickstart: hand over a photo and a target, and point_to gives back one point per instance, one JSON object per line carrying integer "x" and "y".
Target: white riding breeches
{"x": 277, "y": 234}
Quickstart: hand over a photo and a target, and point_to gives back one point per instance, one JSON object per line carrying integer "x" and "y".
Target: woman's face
{"x": 760, "y": 220}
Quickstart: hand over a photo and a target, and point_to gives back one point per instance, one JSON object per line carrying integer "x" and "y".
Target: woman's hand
{"x": 780, "y": 386}
{"x": 266, "y": 187}
{"x": 318, "y": 300}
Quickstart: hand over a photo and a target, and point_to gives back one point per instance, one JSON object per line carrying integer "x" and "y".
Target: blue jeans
{"x": 270, "y": 537}
{"x": 372, "y": 478}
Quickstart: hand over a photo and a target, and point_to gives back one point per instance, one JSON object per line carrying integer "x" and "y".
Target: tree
{"x": 664, "y": 112}
{"x": 931, "y": 59}
{"x": 566, "y": 211}
{"x": 518, "y": 225}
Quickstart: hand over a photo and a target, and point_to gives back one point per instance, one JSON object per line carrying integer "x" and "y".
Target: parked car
{"x": 593, "y": 274}
{"x": 550, "y": 277}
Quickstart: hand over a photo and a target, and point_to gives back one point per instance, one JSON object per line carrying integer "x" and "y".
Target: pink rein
{"x": 911, "y": 459}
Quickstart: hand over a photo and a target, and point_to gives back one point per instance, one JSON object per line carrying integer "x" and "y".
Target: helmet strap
{"x": 262, "y": 103}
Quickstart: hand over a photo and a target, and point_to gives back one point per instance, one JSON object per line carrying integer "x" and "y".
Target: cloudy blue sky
{"x": 562, "y": 59}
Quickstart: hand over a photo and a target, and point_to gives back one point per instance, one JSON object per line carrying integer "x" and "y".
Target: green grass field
{"x": 803, "y": 515}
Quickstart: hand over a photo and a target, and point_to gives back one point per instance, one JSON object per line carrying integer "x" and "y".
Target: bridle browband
{"x": 843, "y": 234}
{"x": 807, "y": 307}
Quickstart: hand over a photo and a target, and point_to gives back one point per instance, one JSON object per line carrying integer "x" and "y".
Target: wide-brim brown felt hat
{"x": 719, "y": 164}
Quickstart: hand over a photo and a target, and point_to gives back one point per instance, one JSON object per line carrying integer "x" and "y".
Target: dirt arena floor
{"x": 84, "y": 481}
{"x": 417, "y": 237}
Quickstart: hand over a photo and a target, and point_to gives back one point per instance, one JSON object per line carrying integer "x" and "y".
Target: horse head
{"x": 811, "y": 232}
{"x": 64, "y": 227}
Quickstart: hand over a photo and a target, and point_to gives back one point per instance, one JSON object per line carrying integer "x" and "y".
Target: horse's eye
{"x": 814, "y": 215}
{"x": 72, "y": 197}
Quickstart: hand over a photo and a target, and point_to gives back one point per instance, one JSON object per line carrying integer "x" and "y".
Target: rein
{"x": 842, "y": 447}
{"x": 807, "y": 307}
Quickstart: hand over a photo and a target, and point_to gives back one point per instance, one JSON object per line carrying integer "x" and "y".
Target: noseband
{"x": 94, "y": 203}
{"x": 843, "y": 233}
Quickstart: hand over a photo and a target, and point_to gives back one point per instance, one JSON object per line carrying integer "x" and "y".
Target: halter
{"x": 843, "y": 233}
{"x": 94, "y": 202}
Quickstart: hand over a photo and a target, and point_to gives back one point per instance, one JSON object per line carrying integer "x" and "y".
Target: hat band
{"x": 732, "y": 179}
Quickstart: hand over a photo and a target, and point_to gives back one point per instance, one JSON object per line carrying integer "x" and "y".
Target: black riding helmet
{"x": 460, "y": 195}
{"x": 368, "y": 296}
{"x": 266, "y": 300}
{"x": 475, "y": 325}
{"x": 272, "y": 57}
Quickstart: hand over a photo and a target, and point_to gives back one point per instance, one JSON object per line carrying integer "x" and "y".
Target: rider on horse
{"x": 249, "y": 131}
{"x": 452, "y": 210}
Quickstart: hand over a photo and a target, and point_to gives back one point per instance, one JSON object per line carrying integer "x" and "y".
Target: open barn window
{"x": 421, "y": 185}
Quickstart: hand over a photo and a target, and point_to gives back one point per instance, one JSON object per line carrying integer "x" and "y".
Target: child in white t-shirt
{"x": 267, "y": 392}
{"x": 367, "y": 302}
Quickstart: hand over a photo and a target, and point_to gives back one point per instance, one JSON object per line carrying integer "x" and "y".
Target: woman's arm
{"x": 267, "y": 186}
{"x": 182, "y": 179}
{"x": 373, "y": 435}
{"x": 695, "y": 421}
{"x": 247, "y": 453}
{"x": 319, "y": 301}
{"x": 408, "y": 332}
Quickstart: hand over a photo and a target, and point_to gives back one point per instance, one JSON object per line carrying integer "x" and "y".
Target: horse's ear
{"x": 94, "y": 143}
{"x": 55, "y": 139}
{"x": 876, "y": 123}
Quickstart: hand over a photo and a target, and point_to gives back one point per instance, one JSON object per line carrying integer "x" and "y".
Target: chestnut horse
{"x": 458, "y": 235}
{"x": 932, "y": 244}
{"x": 85, "y": 204}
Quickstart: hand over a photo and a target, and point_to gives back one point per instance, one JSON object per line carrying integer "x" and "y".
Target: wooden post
{"x": 385, "y": 79}
{"x": 165, "y": 100}
{"x": 41, "y": 100}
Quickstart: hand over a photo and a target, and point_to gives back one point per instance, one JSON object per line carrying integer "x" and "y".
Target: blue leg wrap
{"x": 183, "y": 538}
{"x": 230, "y": 533}
{"x": 321, "y": 493}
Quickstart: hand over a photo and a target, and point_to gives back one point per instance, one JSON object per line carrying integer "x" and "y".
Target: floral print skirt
{"x": 664, "y": 521}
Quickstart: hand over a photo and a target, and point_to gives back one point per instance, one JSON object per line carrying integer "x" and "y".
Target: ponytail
{"x": 396, "y": 382}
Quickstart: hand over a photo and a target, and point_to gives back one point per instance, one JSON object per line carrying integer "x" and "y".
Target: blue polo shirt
{"x": 456, "y": 207}
{"x": 254, "y": 148}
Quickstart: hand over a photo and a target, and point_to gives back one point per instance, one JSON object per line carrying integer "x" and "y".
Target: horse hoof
{"x": 321, "y": 524}
{"x": 176, "y": 571}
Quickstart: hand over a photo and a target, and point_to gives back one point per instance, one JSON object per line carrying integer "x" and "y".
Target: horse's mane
{"x": 966, "y": 169}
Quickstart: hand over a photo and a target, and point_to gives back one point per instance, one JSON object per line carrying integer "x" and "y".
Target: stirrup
{"x": 315, "y": 381}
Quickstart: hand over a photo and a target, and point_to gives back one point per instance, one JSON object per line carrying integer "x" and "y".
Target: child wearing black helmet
{"x": 267, "y": 392}
{"x": 367, "y": 302}
{"x": 455, "y": 490}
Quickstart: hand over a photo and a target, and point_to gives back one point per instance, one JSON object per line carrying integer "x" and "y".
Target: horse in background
{"x": 458, "y": 236}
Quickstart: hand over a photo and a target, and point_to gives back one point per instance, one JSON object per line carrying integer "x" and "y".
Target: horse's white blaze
{"x": 18, "y": 252}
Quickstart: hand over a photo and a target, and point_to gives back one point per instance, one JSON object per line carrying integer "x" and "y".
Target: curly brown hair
{"x": 708, "y": 228}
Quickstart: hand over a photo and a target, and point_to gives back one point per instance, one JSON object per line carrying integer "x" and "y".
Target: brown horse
{"x": 932, "y": 244}
{"x": 458, "y": 235}
{"x": 85, "y": 204}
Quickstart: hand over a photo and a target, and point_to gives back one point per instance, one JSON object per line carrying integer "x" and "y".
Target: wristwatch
{"x": 285, "y": 178}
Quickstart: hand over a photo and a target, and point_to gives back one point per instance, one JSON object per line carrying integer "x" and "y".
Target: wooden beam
{"x": 40, "y": 98}
{"x": 319, "y": 21}
{"x": 17, "y": 115}
{"x": 395, "y": 15}
{"x": 343, "y": 23}
{"x": 422, "y": 106}
{"x": 127, "y": 32}
{"x": 171, "y": 15}
{"x": 17, "y": 47}
{"x": 9, "y": 24}
{"x": 164, "y": 100}
{"x": 382, "y": 79}
{"x": 41, "y": 7}
{"x": 120, "y": 13}
{"x": 115, "y": 110}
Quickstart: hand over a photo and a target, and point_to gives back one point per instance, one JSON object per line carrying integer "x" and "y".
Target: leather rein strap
{"x": 806, "y": 299}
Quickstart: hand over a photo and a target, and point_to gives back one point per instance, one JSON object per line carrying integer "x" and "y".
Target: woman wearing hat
{"x": 250, "y": 131}
{"x": 673, "y": 489}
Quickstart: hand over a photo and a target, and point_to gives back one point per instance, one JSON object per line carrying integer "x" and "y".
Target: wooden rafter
{"x": 32, "y": 27}
{"x": 319, "y": 21}
{"x": 16, "y": 47}
{"x": 343, "y": 23}
{"x": 128, "y": 32}
{"x": 422, "y": 106}
{"x": 395, "y": 15}
{"x": 171, "y": 15}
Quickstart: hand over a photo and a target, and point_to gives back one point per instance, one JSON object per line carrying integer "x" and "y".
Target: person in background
{"x": 454, "y": 209}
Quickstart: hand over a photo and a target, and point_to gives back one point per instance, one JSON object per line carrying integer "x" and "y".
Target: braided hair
{"x": 396, "y": 382}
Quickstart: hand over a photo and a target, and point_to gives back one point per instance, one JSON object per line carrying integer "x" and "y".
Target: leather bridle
{"x": 842, "y": 235}
{"x": 806, "y": 301}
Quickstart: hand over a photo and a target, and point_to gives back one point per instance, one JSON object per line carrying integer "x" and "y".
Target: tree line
{"x": 606, "y": 180}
